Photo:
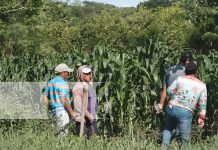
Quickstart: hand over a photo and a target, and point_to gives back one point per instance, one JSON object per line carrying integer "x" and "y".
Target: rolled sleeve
{"x": 46, "y": 91}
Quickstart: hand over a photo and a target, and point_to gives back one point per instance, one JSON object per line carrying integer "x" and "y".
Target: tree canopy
{"x": 44, "y": 26}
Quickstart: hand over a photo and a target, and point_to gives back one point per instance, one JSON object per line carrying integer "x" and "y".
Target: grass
{"x": 45, "y": 140}
{"x": 130, "y": 84}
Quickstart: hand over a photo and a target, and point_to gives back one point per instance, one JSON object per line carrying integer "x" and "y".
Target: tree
{"x": 155, "y": 3}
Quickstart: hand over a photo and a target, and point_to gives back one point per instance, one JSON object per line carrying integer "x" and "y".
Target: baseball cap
{"x": 62, "y": 67}
{"x": 87, "y": 70}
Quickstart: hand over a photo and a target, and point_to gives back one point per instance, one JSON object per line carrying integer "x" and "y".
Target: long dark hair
{"x": 186, "y": 57}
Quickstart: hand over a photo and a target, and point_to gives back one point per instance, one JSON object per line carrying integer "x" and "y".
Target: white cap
{"x": 87, "y": 70}
{"x": 62, "y": 67}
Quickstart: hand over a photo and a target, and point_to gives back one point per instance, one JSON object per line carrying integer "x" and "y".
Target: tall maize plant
{"x": 128, "y": 82}
{"x": 208, "y": 72}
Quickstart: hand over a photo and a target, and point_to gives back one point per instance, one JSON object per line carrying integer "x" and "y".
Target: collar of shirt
{"x": 60, "y": 77}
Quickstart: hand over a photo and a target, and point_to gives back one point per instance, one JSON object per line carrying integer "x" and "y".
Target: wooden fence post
{"x": 84, "y": 108}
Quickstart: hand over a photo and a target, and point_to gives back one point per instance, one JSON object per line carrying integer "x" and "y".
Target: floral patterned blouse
{"x": 189, "y": 91}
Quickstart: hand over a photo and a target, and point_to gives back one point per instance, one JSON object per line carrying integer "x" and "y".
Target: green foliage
{"x": 137, "y": 46}
{"x": 203, "y": 15}
{"x": 45, "y": 27}
{"x": 155, "y": 3}
{"x": 173, "y": 28}
{"x": 208, "y": 73}
{"x": 18, "y": 10}
{"x": 129, "y": 82}
{"x": 34, "y": 140}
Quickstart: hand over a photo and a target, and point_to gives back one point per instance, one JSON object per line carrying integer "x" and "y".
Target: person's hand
{"x": 91, "y": 118}
{"x": 158, "y": 108}
{"x": 74, "y": 115}
{"x": 201, "y": 118}
{"x": 170, "y": 103}
{"x": 200, "y": 122}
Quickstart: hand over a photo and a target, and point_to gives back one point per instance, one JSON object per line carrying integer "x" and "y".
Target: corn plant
{"x": 129, "y": 82}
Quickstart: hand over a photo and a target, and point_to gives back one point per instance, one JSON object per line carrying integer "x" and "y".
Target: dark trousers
{"x": 90, "y": 128}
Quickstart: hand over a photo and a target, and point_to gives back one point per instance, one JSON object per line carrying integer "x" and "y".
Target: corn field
{"x": 129, "y": 86}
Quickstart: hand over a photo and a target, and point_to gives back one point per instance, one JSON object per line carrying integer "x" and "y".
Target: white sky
{"x": 119, "y": 3}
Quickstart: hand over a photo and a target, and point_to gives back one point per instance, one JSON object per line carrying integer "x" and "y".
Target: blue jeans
{"x": 177, "y": 117}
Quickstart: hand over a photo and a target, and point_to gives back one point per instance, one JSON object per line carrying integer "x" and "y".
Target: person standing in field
{"x": 57, "y": 97}
{"x": 172, "y": 73}
{"x": 186, "y": 94}
{"x": 85, "y": 77}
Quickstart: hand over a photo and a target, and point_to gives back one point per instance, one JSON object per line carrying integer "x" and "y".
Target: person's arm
{"x": 163, "y": 94}
{"x": 65, "y": 98}
{"x": 163, "y": 97}
{"x": 45, "y": 98}
{"x": 202, "y": 103}
{"x": 69, "y": 108}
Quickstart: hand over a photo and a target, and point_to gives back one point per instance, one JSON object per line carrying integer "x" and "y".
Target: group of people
{"x": 59, "y": 102}
{"x": 182, "y": 89}
{"x": 184, "y": 93}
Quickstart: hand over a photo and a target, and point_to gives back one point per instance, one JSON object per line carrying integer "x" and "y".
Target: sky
{"x": 118, "y": 3}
